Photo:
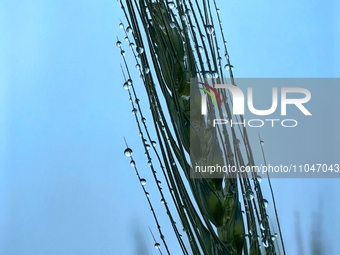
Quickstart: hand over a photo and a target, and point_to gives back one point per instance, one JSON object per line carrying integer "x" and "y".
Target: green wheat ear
{"x": 174, "y": 42}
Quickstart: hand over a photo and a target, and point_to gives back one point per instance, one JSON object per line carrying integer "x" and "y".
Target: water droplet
{"x": 215, "y": 74}
{"x": 208, "y": 74}
{"x": 126, "y": 86}
{"x": 129, "y": 29}
{"x": 157, "y": 246}
{"x": 237, "y": 143}
{"x": 171, "y": 5}
{"x": 149, "y": 162}
{"x": 225, "y": 42}
{"x": 200, "y": 49}
{"x": 250, "y": 195}
{"x": 121, "y": 25}
{"x": 143, "y": 181}
{"x": 143, "y": 120}
{"x": 265, "y": 202}
{"x": 132, "y": 163}
{"x": 228, "y": 67}
{"x": 265, "y": 242}
{"x": 159, "y": 183}
{"x": 162, "y": 201}
{"x": 153, "y": 143}
{"x": 122, "y": 52}
{"x": 218, "y": 10}
{"x": 138, "y": 66}
{"x": 147, "y": 194}
{"x": 262, "y": 143}
{"x": 172, "y": 24}
{"x": 147, "y": 146}
{"x": 132, "y": 45}
{"x": 126, "y": 38}
{"x": 259, "y": 178}
{"x": 119, "y": 44}
{"x": 210, "y": 29}
{"x": 139, "y": 50}
{"x": 134, "y": 111}
{"x": 262, "y": 227}
{"x": 128, "y": 152}
{"x": 146, "y": 70}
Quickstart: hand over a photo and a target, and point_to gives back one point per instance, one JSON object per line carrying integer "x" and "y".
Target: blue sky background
{"x": 65, "y": 185}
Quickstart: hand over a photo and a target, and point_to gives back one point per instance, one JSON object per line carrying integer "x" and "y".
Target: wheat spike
{"x": 177, "y": 41}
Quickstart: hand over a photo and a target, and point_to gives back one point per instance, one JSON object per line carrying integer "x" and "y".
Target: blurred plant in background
{"x": 173, "y": 42}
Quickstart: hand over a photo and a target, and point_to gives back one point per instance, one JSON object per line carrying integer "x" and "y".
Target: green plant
{"x": 174, "y": 42}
